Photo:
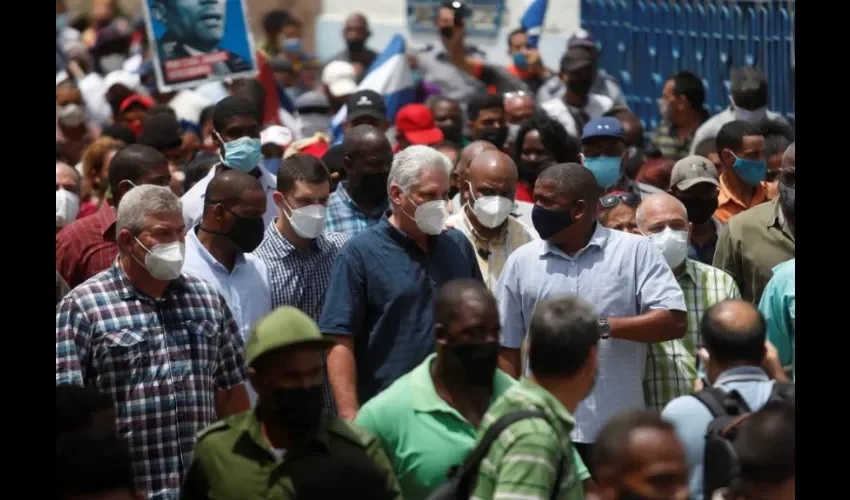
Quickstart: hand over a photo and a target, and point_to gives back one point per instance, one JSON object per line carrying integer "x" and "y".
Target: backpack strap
{"x": 782, "y": 391}
{"x": 557, "y": 487}
{"x": 473, "y": 460}
{"x": 719, "y": 402}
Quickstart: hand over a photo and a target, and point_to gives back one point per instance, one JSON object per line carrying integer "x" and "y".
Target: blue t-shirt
{"x": 382, "y": 290}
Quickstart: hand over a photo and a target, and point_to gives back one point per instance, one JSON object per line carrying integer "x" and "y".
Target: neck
{"x": 568, "y": 392}
{"x": 362, "y": 202}
{"x": 275, "y": 435}
{"x": 741, "y": 189}
{"x": 482, "y": 232}
{"x": 285, "y": 229}
{"x": 703, "y": 232}
{"x": 141, "y": 277}
{"x": 688, "y": 124}
{"x": 572, "y": 245}
{"x": 575, "y": 100}
{"x": 219, "y": 247}
{"x": 420, "y": 238}
{"x": 471, "y": 401}
{"x": 715, "y": 371}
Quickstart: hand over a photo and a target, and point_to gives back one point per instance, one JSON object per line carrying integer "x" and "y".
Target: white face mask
{"x": 67, "y": 207}
{"x": 430, "y": 217}
{"x": 673, "y": 245}
{"x": 72, "y": 115}
{"x": 752, "y": 116}
{"x": 491, "y": 211}
{"x": 307, "y": 222}
{"x": 164, "y": 261}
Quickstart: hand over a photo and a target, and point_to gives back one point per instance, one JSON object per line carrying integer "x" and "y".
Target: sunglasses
{"x": 612, "y": 200}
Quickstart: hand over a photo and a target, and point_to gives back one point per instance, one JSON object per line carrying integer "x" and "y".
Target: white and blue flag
{"x": 532, "y": 21}
{"x": 389, "y": 76}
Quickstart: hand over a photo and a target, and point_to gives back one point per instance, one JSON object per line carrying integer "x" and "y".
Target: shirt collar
{"x": 107, "y": 215}
{"x": 470, "y": 229}
{"x": 726, "y": 195}
{"x": 598, "y": 240}
{"x": 194, "y": 245}
{"x": 267, "y": 179}
{"x": 250, "y": 426}
{"x": 560, "y": 411}
{"x": 401, "y": 237}
{"x": 690, "y": 271}
{"x": 742, "y": 372}
{"x": 126, "y": 290}
{"x": 284, "y": 247}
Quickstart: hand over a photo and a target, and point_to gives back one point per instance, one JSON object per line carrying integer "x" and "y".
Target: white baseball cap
{"x": 340, "y": 78}
{"x": 276, "y": 134}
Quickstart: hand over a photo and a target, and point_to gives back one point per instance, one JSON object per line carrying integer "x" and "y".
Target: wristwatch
{"x": 604, "y": 328}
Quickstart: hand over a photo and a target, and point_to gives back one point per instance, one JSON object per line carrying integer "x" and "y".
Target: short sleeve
{"x": 656, "y": 284}
{"x": 73, "y": 342}
{"x": 345, "y": 300}
{"x": 230, "y": 363}
{"x": 509, "y": 302}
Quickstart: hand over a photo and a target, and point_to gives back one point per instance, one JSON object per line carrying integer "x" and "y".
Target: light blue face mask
{"x": 291, "y": 45}
{"x": 751, "y": 171}
{"x": 242, "y": 154}
{"x": 606, "y": 169}
{"x": 520, "y": 61}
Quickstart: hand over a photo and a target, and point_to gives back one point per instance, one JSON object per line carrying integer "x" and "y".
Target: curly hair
{"x": 554, "y": 136}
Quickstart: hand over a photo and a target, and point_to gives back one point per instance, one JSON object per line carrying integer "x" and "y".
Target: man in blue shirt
{"x": 734, "y": 334}
{"x": 379, "y": 304}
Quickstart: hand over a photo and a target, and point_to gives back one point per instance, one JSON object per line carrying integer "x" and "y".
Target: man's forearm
{"x": 658, "y": 325}
{"x": 342, "y": 374}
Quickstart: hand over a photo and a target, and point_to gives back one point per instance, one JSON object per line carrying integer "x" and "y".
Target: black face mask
{"x": 494, "y": 135}
{"x": 447, "y": 32}
{"x": 579, "y": 87}
{"x": 247, "y": 233}
{"x": 699, "y": 209}
{"x": 476, "y": 363}
{"x": 788, "y": 204}
{"x": 356, "y": 45}
{"x": 548, "y": 223}
{"x": 298, "y": 409}
{"x": 373, "y": 187}
{"x": 453, "y": 133}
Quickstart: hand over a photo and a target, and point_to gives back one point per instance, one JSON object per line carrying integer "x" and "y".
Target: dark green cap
{"x": 285, "y": 326}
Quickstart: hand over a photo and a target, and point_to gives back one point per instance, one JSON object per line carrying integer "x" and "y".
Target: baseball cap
{"x": 340, "y": 78}
{"x": 576, "y": 58}
{"x": 276, "y": 134}
{"x": 581, "y": 38}
{"x": 312, "y": 102}
{"x": 416, "y": 122}
{"x": 144, "y": 100}
{"x": 366, "y": 103}
{"x": 284, "y": 327}
{"x": 692, "y": 170}
{"x": 606, "y": 126}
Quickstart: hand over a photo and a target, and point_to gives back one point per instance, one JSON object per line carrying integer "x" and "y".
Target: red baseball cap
{"x": 145, "y": 101}
{"x": 416, "y": 122}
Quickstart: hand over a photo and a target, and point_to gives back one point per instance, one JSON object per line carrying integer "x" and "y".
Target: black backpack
{"x": 462, "y": 477}
{"x": 730, "y": 412}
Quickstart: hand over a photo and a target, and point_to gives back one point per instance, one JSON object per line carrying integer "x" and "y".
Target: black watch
{"x": 604, "y": 328}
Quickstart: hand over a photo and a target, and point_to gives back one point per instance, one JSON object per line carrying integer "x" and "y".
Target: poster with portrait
{"x": 199, "y": 41}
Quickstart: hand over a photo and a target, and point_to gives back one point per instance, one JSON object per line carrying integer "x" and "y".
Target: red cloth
{"x": 266, "y": 78}
{"x": 86, "y": 246}
{"x": 87, "y": 208}
{"x": 523, "y": 193}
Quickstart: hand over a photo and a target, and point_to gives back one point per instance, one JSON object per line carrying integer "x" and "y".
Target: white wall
{"x": 388, "y": 17}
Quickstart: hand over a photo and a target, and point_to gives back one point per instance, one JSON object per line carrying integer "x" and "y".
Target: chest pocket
{"x": 202, "y": 340}
{"x": 126, "y": 352}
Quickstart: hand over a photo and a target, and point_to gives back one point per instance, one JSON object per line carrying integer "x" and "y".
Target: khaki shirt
{"x": 232, "y": 460}
{"x": 751, "y": 244}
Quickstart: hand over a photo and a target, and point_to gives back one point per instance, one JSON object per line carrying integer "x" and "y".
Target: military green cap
{"x": 285, "y": 326}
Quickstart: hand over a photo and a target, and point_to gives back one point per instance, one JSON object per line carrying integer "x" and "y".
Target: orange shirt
{"x": 728, "y": 204}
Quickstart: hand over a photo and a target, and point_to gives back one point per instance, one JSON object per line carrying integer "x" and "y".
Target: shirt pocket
{"x": 202, "y": 339}
{"x": 612, "y": 295}
{"x": 125, "y": 353}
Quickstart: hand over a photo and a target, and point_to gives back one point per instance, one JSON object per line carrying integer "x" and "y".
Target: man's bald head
{"x": 230, "y": 187}
{"x": 573, "y": 181}
{"x": 519, "y": 107}
{"x": 356, "y": 20}
{"x": 661, "y": 210}
{"x": 458, "y": 295}
{"x": 364, "y": 139}
{"x": 472, "y": 150}
{"x": 734, "y": 333}
{"x": 493, "y": 161}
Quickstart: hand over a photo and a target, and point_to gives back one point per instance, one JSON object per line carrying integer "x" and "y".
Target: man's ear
{"x": 396, "y": 194}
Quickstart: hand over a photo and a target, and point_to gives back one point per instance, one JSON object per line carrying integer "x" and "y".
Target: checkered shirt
{"x": 160, "y": 360}
{"x": 300, "y": 279}
{"x": 344, "y": 216}
{"x": 671, "y": 366}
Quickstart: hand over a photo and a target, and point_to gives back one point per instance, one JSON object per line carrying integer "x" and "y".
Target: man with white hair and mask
{"x": 379, "y": 304}
{"x": 163, "y": 345}
{"x": 68, "y": 182}
{"x": 671, "y": 368}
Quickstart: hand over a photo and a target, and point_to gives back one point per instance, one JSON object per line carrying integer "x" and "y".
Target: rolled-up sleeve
{"x": 73, "y": 339}
{"x": 657, "y": 287}
{"x": 230, "y": 366}
{"x": 345, "y": 301}
{"x": 510, "y": 305}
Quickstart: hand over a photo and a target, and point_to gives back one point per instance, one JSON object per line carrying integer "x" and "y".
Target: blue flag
{"x": 532, "y": 21}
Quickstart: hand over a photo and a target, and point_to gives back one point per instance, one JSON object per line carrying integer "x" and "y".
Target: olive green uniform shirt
{"x": 232, "y": 460}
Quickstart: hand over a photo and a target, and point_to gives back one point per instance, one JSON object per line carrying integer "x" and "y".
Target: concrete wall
{"x": 388, "y": 17}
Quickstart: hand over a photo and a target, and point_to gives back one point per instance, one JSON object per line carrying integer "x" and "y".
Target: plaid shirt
{"x": 160, "y": 360}
{"x": 671, "y": 366}
{"x": 300, "y": 279}
{"x": 523, "y": 461}
{"x": 87, "y": 246}
{"x": 344, "y": 216}
{"x": 667, "y": 140}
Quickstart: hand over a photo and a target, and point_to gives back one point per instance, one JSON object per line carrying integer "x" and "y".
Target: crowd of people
{"x": 508, "y": 290}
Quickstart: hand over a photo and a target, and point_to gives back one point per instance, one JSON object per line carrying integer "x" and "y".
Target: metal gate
{"x": 644, "y": 42}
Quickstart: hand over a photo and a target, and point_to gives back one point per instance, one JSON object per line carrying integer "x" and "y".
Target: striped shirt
{"x": 523, "y": 461}
{"x": 344, "y": 216}
{"x": 514, "y": 235}
{"x": 160, "y": 360}
{"x": 299, "y": 279}
{"x": 671, "y": 366}
{"x": 667, "y": 140}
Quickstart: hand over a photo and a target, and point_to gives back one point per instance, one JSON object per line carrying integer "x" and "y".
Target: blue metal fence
{"x": 644, "y": 42}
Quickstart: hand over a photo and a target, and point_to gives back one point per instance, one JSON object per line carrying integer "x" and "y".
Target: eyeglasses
{"x": 612, "y": 200}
